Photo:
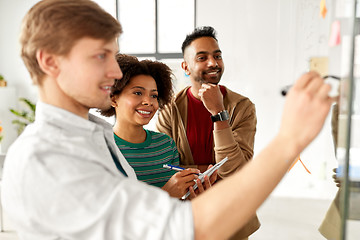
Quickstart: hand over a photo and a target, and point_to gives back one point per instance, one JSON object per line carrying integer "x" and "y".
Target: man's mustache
{"x": 213, "y": 69}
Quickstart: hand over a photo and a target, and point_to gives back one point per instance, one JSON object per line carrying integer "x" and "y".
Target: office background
{"x": 266, "y": 45}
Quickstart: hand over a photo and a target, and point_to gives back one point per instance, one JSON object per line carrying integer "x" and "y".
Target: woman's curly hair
{"x": 131, "y": 67}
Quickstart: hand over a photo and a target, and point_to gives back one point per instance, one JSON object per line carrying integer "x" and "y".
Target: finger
{"x": 185, "y": 182}
{"x": 207, "y": 182}
{"x": 189, "y": 171}
{"x": 192, "y": 193}
{"x": 210, "y": 84}
{"x": 214, "y": 177}
{"x": 205, "y": 86}
{"x": 314, "y": 85}
{"x": 183, "y": 187}
{"x": 304, "y": 80}
{"x": 200, "y": 186}
{"x": 324, "y": 91}
{"x": 186, "y": 185}
{"x": 201, "y": 91}
{"x": 189, "y": 178}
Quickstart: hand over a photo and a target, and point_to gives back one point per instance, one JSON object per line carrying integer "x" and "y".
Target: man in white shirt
{"x": 60, "y": 180}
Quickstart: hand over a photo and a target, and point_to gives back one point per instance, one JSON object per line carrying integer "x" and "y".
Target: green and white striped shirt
{"x": 148, "y": 158}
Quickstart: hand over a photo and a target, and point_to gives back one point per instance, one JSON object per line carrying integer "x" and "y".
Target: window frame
{"x": 157, "y": 55}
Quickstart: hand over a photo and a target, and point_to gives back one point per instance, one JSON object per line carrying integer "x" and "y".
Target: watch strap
{"x": 221, "y": 116}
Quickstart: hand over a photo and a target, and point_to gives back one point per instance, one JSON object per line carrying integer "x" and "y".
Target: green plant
{"x": 1, "y": 77}
{"x": 25, "y": 117}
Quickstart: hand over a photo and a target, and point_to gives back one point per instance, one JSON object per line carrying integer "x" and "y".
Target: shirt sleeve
{"x": 82, "y": 200}
{"x": 237, "y": 141}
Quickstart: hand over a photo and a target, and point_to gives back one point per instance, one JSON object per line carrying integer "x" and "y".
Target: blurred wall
{"x": 266, "y": 44}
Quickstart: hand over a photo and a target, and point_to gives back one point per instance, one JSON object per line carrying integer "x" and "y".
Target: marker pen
{"x": 176, "y": 168}
{"x": 334, "y": 86}
{"x": 173, "y": 167}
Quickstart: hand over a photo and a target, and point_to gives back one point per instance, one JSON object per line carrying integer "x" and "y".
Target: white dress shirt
{"x": 60, "y": 182}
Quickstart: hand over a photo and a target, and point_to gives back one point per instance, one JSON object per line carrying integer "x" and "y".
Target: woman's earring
{"x": 114, "y": 104}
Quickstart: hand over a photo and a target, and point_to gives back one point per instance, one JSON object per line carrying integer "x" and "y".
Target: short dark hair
{"x": 131, "y": 67}
{"x": 205, "y": 31}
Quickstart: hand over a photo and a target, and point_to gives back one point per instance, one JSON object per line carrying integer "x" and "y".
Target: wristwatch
{"x": 221, "y": 116}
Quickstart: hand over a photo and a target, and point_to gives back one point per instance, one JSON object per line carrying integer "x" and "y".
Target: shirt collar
{"x": 61, "y": 117}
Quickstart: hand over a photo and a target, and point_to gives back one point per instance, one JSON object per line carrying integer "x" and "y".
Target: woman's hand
{"x": 208, "y": 182}
{"x": 180, "y": 182}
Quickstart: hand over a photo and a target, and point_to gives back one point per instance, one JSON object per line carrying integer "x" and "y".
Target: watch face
{"x": 224, "y": 115}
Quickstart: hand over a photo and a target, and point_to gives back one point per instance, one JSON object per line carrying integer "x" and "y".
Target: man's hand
{"x": 307, "y": 105}
{"x": 180, "y": 182}
{"x": 211, "y": 97}
{"x": 336, "y": 179}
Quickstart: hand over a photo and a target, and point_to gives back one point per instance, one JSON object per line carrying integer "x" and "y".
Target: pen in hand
{"x": 285, "y": 89}
{"x": 173, "y": 167}
{"x": 176, "y": 168}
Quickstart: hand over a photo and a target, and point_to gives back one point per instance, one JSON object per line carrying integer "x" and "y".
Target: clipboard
{"x": 208, "y": 172}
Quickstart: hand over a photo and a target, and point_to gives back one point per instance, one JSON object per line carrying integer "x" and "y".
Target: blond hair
{"x": 56, "y": 25}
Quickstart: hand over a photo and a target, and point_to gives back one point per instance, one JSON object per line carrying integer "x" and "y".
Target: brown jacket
{"x": 330, "y": 227}
{"x": 236, "y": 142}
